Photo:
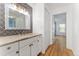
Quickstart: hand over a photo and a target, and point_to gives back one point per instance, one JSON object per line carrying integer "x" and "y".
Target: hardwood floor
{"x": 55, "y": 50}
{"x": 58, "y": 48}
{"x": 61, "y": 39}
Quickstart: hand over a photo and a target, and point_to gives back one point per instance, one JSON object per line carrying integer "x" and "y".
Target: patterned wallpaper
{"x": 4, "y": 32}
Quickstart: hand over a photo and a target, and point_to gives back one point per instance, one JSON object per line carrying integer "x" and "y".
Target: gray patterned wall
{"x": 4, "y": 32}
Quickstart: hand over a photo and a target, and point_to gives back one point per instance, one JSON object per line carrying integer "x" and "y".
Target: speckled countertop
{"x": 9, "y": 39}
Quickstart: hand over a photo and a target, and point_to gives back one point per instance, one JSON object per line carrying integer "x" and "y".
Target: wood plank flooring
{"x": 55, "y": 50}
{"x": 58, "y": 48}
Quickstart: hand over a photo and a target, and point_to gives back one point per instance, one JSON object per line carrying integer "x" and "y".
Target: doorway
{"x": 60, "y": 29}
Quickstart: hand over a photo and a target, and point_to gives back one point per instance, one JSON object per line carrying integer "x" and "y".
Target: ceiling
{"x": 51, "y": 6}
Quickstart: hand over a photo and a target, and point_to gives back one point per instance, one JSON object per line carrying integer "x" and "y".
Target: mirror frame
{"x": 25, "y": 5}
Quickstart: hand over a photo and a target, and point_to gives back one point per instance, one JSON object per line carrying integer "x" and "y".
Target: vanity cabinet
{"x": 30, "y": 47}
{"x": 25, "y": 47}
{"x": 34, "y": 48}
{"x": 10, "y": 49}
{"x": 25, "y": 51}
{"x": 13, "y": 53}
{"x": 39, "y": 43}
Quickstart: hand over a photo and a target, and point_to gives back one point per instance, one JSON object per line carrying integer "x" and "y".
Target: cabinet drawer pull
{"x": 38, "y": 40}
{"x": 31, "y": 45}
{"x": 9, "y": 48}
{"x": 17, "y": 51}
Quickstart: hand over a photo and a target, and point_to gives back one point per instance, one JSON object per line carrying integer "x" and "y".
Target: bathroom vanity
{"x": 16, "y": 37}
{"x": 21, "y": 45}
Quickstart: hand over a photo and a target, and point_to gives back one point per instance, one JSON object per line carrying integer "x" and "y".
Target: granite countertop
{"x": 9, "y": 39}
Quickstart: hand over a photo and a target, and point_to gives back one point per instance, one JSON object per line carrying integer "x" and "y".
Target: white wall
{"x": 75, "y": 18}
{"x": 47, "y": 28}
{"x": 51, "y": 24}
{"x": 41, "y": 23}
{"x": 38, "y": 19}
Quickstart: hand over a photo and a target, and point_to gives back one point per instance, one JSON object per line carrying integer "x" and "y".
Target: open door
{"x": 60, "y": 29}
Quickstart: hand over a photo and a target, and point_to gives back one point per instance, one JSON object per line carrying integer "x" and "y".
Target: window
{"x": 62, "y": 27}
{"x": 11, "y": 22}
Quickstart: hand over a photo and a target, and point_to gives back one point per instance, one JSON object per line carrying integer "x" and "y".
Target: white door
{"x": 34, "y": 48}
{"x": 25, "y": 51}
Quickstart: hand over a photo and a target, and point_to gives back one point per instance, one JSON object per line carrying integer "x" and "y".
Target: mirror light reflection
{"x": 19, "y": 9}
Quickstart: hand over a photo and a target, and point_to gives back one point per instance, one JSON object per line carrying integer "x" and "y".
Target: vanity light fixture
{"x": 19, "y": 9}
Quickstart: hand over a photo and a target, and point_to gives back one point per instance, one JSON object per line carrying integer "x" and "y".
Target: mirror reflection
{"x": 17, "y": 17}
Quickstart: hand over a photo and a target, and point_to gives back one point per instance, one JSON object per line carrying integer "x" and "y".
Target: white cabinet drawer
{"x": 8, "y": 48}
{"x": 25, "y": 42}
{"x": 13, "y": 53}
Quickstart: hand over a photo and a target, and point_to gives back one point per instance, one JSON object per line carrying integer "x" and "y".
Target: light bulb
{"x": 14, "y": 6}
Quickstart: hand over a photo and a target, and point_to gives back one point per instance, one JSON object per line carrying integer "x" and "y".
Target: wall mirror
{"x": 18, "y": 16}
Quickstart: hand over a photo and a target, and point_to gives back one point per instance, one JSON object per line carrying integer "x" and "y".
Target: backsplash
{"x": 4, "y": 32}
